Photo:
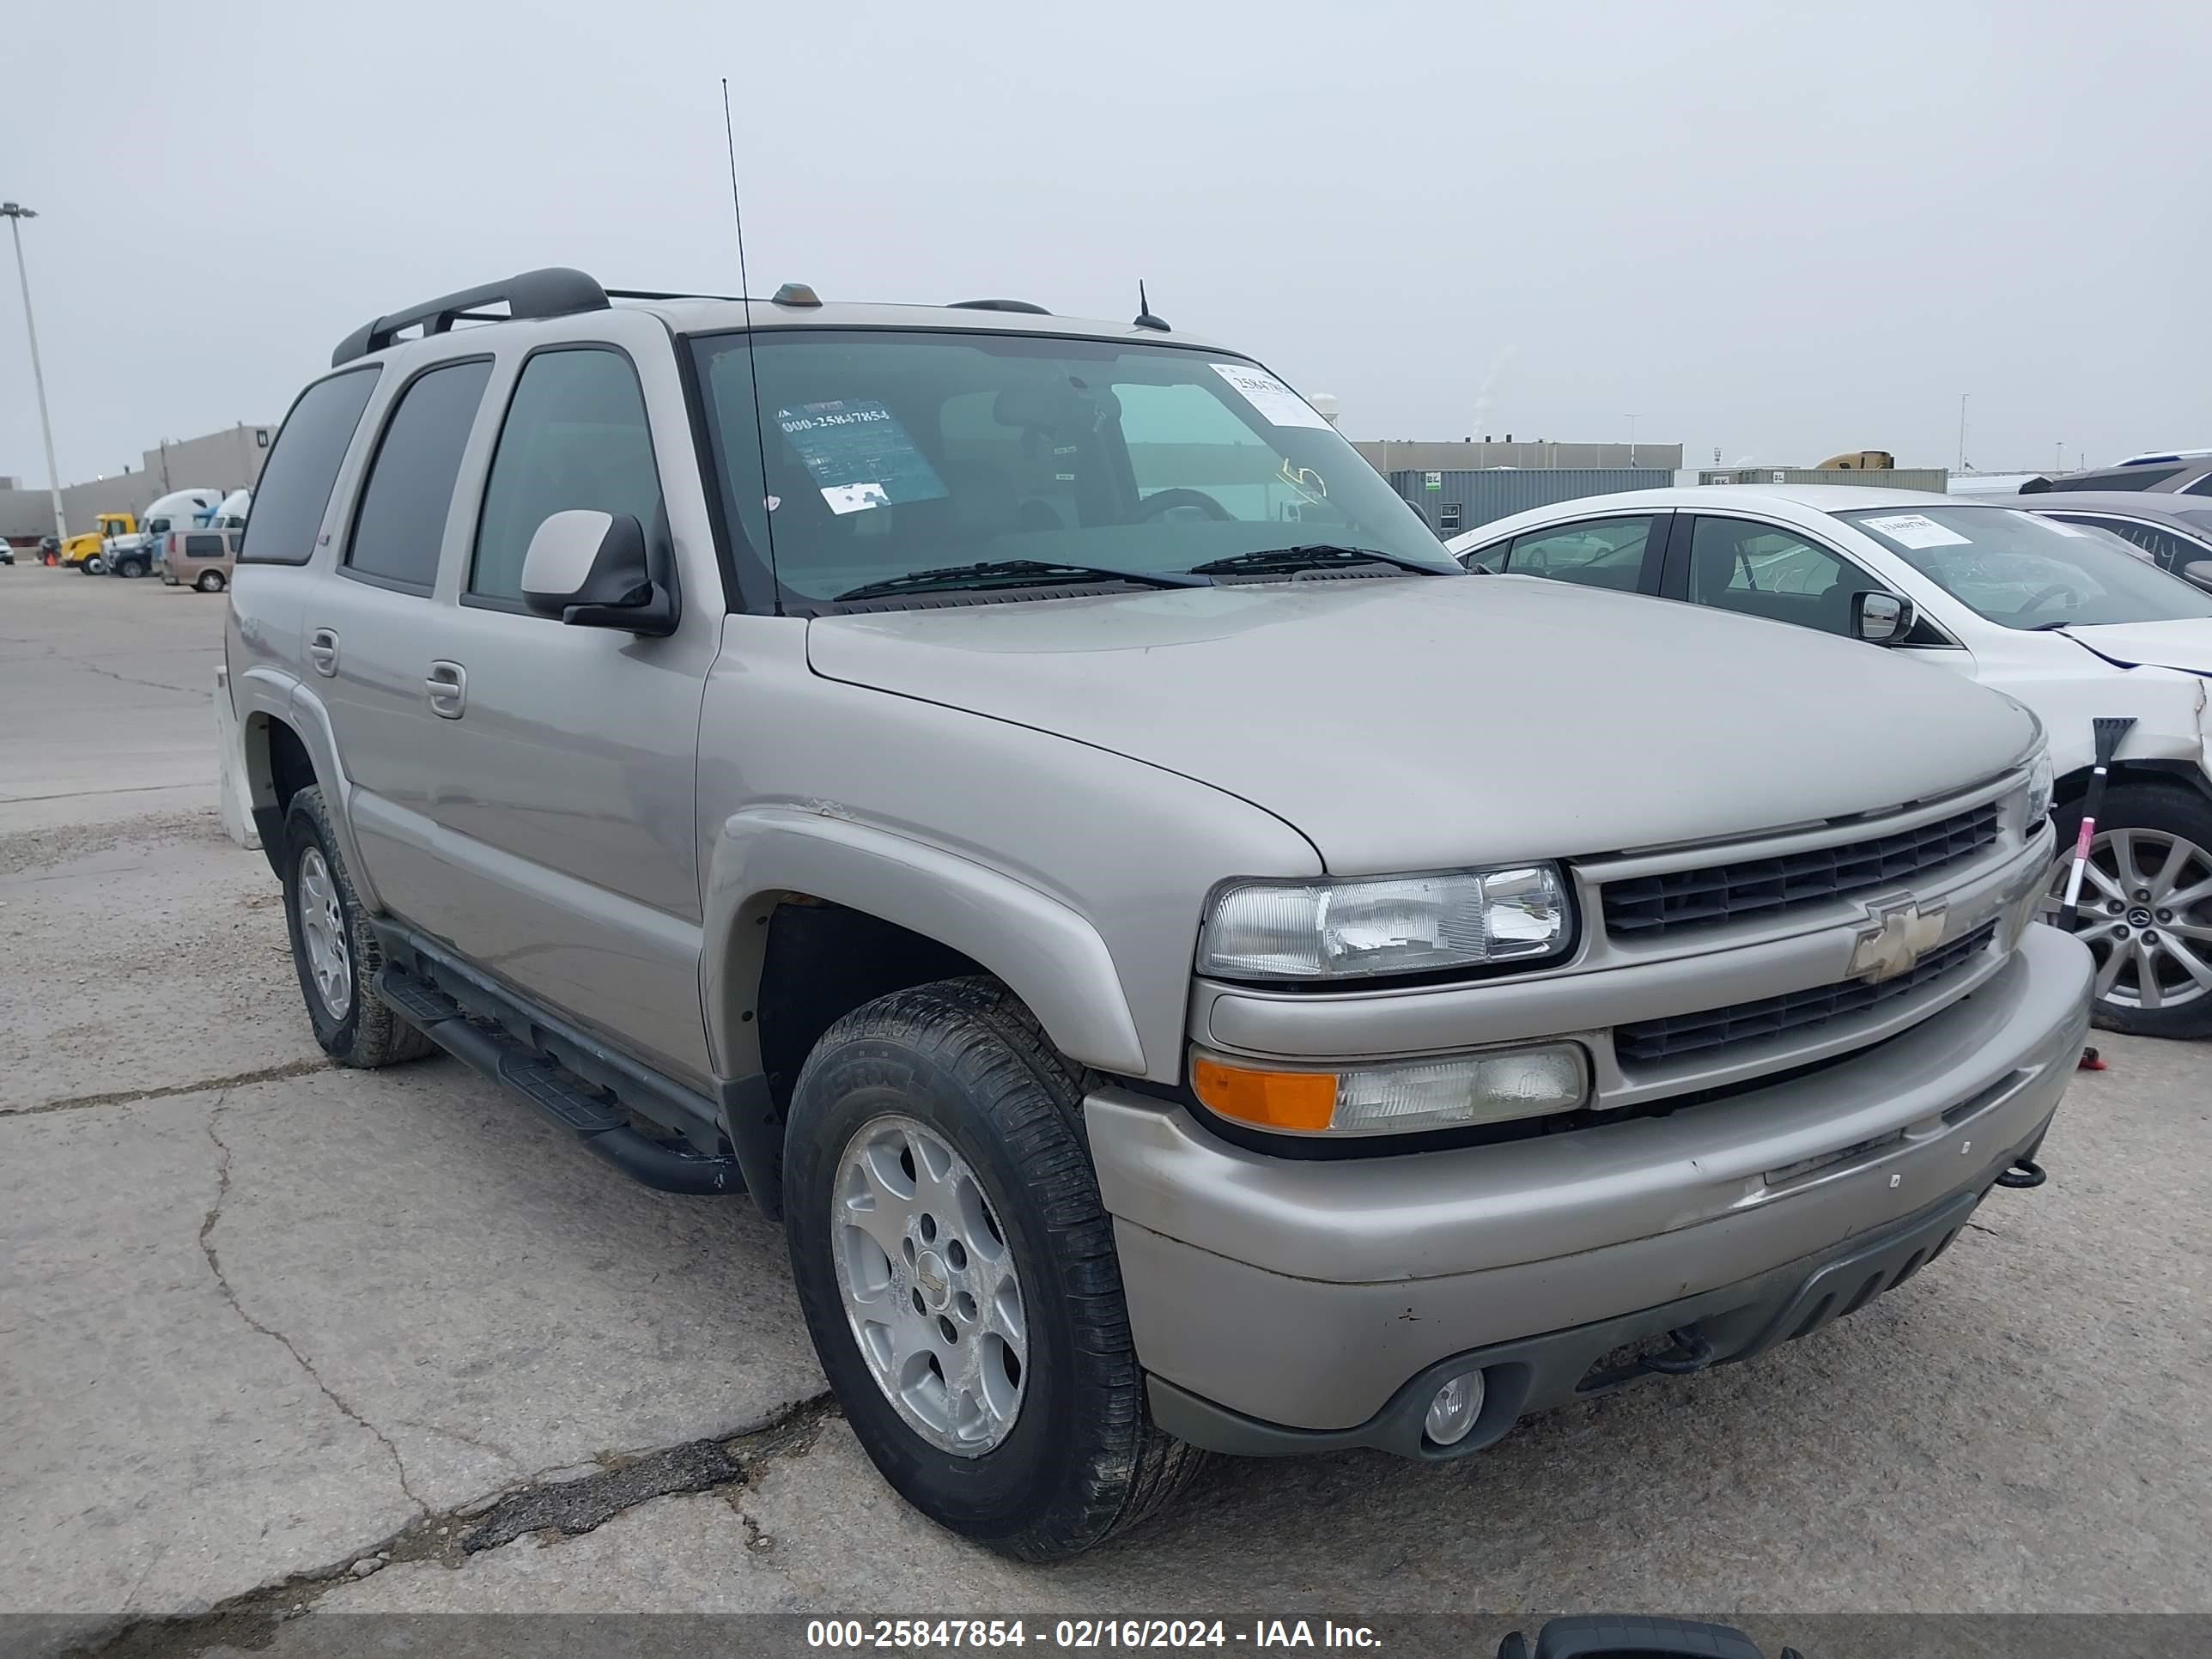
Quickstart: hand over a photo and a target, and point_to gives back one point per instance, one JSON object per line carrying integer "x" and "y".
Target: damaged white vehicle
{"x": 2064, "y": 618}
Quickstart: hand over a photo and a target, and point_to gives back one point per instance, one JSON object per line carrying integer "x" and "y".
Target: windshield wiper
{"x": 1317, "y": 556}
{"x": 1011, "y": 573}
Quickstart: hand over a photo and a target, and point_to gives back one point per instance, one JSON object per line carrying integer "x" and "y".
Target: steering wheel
{"x": 1161, "y": 500}
{"x": 2042, "y": 596}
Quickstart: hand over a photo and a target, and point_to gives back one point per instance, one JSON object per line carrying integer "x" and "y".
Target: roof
{"x": 709, "y": 316}
{"x": 2143, "y": 504}
{"x": 560, "y": 291}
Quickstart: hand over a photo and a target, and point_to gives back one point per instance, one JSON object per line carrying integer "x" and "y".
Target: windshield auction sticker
{"x": 858, "y": 455}
{"x": 1277, "y": 403}
{"x": 1916, "y": 530}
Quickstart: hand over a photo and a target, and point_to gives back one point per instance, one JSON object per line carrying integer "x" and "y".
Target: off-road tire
{"x": 2165, "y": 809}
{"x": 370, "y": 1035}
{"x": 1083, "y": 1459}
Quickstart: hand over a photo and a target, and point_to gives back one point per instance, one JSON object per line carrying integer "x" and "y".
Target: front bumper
{"x": 1314, "y": 1296}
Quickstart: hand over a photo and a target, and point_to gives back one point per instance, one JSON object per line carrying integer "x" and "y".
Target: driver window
{"x": 1760, "y": 570}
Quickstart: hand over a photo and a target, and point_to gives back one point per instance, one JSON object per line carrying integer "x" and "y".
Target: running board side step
{"x": 561, "y": 1095}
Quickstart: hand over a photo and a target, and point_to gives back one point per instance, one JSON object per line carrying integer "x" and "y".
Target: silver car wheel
{"x": 2147, "y": 917}
{"x": 929, "y": 1286}
{"x": 323, "y": 926}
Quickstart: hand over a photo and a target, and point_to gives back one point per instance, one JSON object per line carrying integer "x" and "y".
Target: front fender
{"x": 1049, "y": 955}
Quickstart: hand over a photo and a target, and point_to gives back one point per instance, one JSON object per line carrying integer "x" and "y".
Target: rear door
{"x": 566, "y": 805}
{"x": 368, "y": 627}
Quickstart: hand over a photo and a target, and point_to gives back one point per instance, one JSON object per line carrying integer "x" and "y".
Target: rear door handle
{"x": 322, "y": 652}
{"x": 448, "y": 688}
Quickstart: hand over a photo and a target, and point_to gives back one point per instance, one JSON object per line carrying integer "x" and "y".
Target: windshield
{"x": 890, "y": 455}
{"x": 2023, "y": 571}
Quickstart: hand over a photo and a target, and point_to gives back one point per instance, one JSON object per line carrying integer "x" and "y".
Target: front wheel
{"x": 957, "y": 1273}
{"x": 2147, "y": 907}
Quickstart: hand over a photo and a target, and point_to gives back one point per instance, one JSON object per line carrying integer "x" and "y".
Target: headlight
{"x": 2039, "y": 784}
{"x": 1498, "y": 1086}
{"x": 1397, "y": 924}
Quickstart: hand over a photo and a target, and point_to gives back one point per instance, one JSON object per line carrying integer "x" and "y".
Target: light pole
{"x": 16, "y": 213}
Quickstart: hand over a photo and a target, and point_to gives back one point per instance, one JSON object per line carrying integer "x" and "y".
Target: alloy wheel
{"x": 2146, "y": 915}
{"x": 929, "y": 1286}
{"x": 322, "y": 925}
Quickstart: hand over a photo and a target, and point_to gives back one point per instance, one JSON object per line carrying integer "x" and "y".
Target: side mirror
{"x": 596, "y": 570}
{"x": 2198, "y": 571}
{"x": 1880, "y": 618}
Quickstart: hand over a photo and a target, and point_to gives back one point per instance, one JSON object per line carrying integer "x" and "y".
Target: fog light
{"x": 1453, "y": 1410}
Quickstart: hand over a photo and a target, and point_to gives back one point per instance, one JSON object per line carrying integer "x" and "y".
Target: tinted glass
{"x": 2201, "y": 487}
{"x": 575, "y": 436}
{"x": 295, "y": 484}
{"x": 2025, "y": 571}
{"x": 1760, "y": 570}
{"x": 891, "y": 453}
{"x": 2169, "y": 549}
{"x": 203, "y": 547}
{"x": 1596, "y": 553}
{"x": 2120, "y": 477}
{"x": 402, "y": 520}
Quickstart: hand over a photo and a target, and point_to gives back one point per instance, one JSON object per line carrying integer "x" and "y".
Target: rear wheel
{"x": 211, "y": 581}
{"x": 335, "y": 953}
{"x": 2147, "y": 908}
{"x": 957, "y": 1273}
{"x": 130, "y": 568}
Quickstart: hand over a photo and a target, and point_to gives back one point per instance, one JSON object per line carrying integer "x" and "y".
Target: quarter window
{"x": 401, "y": 524}
{"x": 576, "y": 437}
{"x": 295, "y": 486}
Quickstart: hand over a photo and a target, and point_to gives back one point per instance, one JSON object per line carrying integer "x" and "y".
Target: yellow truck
{"x": 83, "y": 552}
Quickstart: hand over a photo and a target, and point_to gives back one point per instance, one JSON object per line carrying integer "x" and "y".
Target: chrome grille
{"x": 1648, "y": 1040}
{"x": 1643, "y": 907}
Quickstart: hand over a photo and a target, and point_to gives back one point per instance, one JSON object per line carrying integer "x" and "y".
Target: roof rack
{"x": 1000, "y": 305}
{"x": 556, "y": 291}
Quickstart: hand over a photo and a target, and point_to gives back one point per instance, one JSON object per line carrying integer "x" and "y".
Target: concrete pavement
{"x": 277, "y": 1337}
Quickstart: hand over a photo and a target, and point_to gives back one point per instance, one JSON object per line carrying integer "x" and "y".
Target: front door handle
{"x": 447, "y": 685}
{"x": 322, "y": 652}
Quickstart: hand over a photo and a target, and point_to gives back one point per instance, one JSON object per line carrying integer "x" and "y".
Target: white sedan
{"x": 2064, "y": 618}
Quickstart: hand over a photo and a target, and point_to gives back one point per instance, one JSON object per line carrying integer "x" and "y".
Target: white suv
{"x": 2061, "y": 616}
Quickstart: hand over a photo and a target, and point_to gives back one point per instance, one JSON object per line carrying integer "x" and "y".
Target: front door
{"x": 565, "y": 758}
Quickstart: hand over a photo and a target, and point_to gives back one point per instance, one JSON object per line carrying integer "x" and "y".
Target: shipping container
{"x": 1454, "y": 501}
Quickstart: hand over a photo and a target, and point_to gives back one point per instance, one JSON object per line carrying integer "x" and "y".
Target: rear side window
{"x": 203, "y": 547}
{"x": 295, "y": 485}
{"x": 401, "y": 522}
{"x": 1595, "y": 553}
{"x": 576, "y": 437}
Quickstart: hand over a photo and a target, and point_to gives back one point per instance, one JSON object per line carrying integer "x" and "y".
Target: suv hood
{"x": 2185, "y": 643}
{"x": 1418, "y": 723}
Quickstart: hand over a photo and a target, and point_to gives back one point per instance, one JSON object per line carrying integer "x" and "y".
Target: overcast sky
{"x": 1776, "y": 230}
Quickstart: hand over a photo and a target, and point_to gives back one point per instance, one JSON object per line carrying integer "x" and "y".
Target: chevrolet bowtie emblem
{"x": 1900, "y": 936}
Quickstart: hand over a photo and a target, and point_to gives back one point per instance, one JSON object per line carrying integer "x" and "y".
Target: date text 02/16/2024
{"x": 1083, "y": 1633}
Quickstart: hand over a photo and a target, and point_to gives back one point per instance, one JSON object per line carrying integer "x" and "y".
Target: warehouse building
{"x": 1451, "y": 502}
{"x": 1389, "y": 455}
{"x": 226, "y": 460}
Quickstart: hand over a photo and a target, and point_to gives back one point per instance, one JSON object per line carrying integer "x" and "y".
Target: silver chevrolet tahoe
{"x": 1190, "y": 968}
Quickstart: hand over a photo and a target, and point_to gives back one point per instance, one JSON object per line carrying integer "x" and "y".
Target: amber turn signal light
{"x": 1272, "y": 1100}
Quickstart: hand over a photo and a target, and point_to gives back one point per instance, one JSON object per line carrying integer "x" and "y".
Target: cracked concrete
{"x": 208, "y": 1225}
{"x": 263, "y": 1320}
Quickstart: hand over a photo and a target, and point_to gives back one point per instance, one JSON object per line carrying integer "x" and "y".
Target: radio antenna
{"x": 752, "y": 365}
